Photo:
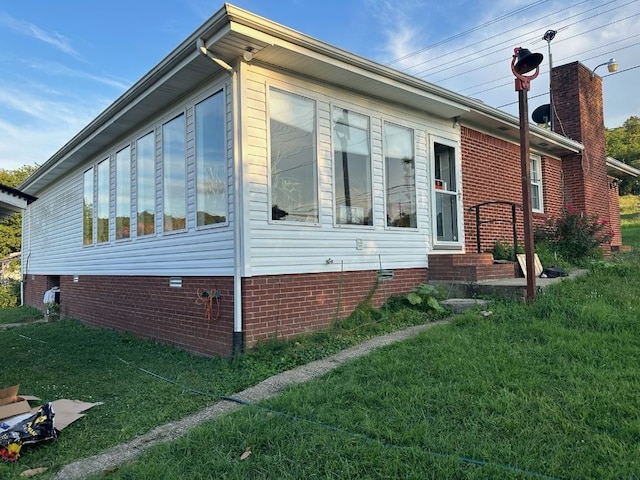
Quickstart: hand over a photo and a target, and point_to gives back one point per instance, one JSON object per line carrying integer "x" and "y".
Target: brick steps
{"x": 470, "y": 267}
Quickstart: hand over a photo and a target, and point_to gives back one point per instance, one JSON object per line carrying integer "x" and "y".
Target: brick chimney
{"x": 579, "y": 115}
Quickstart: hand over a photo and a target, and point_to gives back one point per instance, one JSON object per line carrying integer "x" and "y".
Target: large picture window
{"x": 292, "y": 127}
{"x": 211, "y": 161}
{"x": 175, "y": 174}
{"x": 103, "y": 201}
{"x": 400, "y": 187}
{"x": 87, "y": 208}
{"x": 145, "y": 185}
{"x": 123, "y": 193}
{"x": 352, "y": 167}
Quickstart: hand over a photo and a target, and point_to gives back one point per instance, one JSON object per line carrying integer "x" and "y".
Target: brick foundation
{"x": 279, "y": 306}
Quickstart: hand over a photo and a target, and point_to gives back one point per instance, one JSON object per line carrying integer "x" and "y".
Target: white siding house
{"x": 310, "y": 170}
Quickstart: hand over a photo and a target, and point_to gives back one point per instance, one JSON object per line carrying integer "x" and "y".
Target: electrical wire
{"x": 296, "y": 418}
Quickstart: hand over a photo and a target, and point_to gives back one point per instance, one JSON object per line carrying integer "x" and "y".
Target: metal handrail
{"x": 497, "y": 220}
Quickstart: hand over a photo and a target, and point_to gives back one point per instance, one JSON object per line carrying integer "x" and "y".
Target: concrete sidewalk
{"x": 270, "y": 387}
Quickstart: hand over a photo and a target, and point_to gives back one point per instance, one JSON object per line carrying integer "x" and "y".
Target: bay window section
{"x": 352, "y": 167}
{"x": 103, "y": 202}
{"x": 175, "y": 174}
{"x": 123, "y": 193}
{"x": 294, "y": 184}
{"x": 400, "y": 188}
{"x": 145, "y": 185}
{"x": 211, "y": 161}
{"x": 87, "y": 208}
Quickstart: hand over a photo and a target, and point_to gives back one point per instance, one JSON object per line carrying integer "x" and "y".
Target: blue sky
{"x": 63, "y": 62}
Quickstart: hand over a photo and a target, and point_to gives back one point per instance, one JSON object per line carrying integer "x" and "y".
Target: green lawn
{"x": 534, "y": 391}
{"x": 548, "y": 390}
{"x": 19, "y": 315}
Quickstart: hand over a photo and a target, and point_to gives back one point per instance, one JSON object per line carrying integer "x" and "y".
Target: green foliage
{"x": 9, "y": 294}
{"x": 503, "y": 250}
{"x": 623, "y": 143}
{"x": 426, "y": 297}
{"x": 575, "y": 236}
{"x": 11, "y": 227}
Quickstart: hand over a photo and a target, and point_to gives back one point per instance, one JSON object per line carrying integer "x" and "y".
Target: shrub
{"x": 426, "y": 298}
{"x": 9, "y": 294}
{"x": 576, "y": 237}
{"x": 503, "y": 250}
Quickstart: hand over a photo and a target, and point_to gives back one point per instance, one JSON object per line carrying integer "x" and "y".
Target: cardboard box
{"x": 13, "y": 404}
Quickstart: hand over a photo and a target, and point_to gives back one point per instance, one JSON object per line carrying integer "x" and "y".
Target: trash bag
{"x": 34, "y": 429}
{"x": 553, "y": 272}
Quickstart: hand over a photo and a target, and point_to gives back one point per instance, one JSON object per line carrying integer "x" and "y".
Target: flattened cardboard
{"x": 12, "y": 404}
{"x": 68, "y": 411}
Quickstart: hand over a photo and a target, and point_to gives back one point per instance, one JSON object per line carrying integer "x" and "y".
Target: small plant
{"x": 53, "y": 311}
{"x": 503, "y": 250}
{"x": 426, "y": 296}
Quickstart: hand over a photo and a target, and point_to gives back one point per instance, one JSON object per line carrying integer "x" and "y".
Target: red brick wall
{"x": 147, "y": 307}
{"x": 283, "y": 306}
{"x": 278, "y": 306}
{"x": 578, "y": 104}
{"x": 491, "y": 171}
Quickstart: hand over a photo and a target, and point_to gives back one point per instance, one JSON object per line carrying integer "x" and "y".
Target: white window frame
{"x": 441, "y": 244}
{"x": 536, "y": 180}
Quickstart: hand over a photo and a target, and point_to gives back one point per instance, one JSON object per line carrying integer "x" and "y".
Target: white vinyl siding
{"x": 286, "y": 247}
{"x": 55, "y": 245}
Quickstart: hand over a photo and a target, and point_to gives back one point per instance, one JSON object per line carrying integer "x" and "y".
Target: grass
{"x": 533, "y": 391}
{"x": 65, "y": 359}
{"x": 19, "y": 315}
{"x": 544, "y": 390}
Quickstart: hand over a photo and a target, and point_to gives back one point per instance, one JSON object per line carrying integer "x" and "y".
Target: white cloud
{"x": 29, "y": 29}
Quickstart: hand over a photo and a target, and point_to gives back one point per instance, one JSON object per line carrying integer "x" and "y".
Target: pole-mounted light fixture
{"x": 612, "y": 66}
{"x": 523, "y": 62}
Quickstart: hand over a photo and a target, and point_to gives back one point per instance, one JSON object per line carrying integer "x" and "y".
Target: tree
{"x": 623, "y": 143}
{"x": 11, "y": 228}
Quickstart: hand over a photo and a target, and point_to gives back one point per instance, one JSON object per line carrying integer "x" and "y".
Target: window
{"x": 400, "y": 188}
{"x": 175, "y": 174}
{"x": 446, "y": 189}
{"x": 87, "y": 208}
{"x": 123, "y": 193}
{"x": 103, "y": 201}
{"x": 536, "y": 185}
{"x": 145, "y": 185}
{"x": 211, "y": 161}
{"x": 352, "y": 167}
{"x": 292, "y": 127}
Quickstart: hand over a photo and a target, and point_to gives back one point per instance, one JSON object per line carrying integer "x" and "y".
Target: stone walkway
{"x": 126, "y": 452}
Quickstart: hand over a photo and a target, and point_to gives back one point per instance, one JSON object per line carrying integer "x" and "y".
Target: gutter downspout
{"x": 237, "y": 339}
{"x": 238, "y": 215}
{"x": 24, "y": 265}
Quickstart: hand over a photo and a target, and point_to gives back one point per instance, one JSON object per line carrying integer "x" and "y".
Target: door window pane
{"x": 352, "y": 167}
{"x": 292, "y": 126}
{"x": 400, "y": 185}
{"x": 211, "y": 161}
{"x": 446, "y": 193}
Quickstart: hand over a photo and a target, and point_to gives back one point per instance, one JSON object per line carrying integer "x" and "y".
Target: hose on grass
{"x": 461, "y": 459}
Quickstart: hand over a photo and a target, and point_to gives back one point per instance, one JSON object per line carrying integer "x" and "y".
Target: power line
{"x": 546, "y": 93}
{"x": 506, "y": 31}
{"x": 467, "y": 32}
{"x": 531, "y": 32}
